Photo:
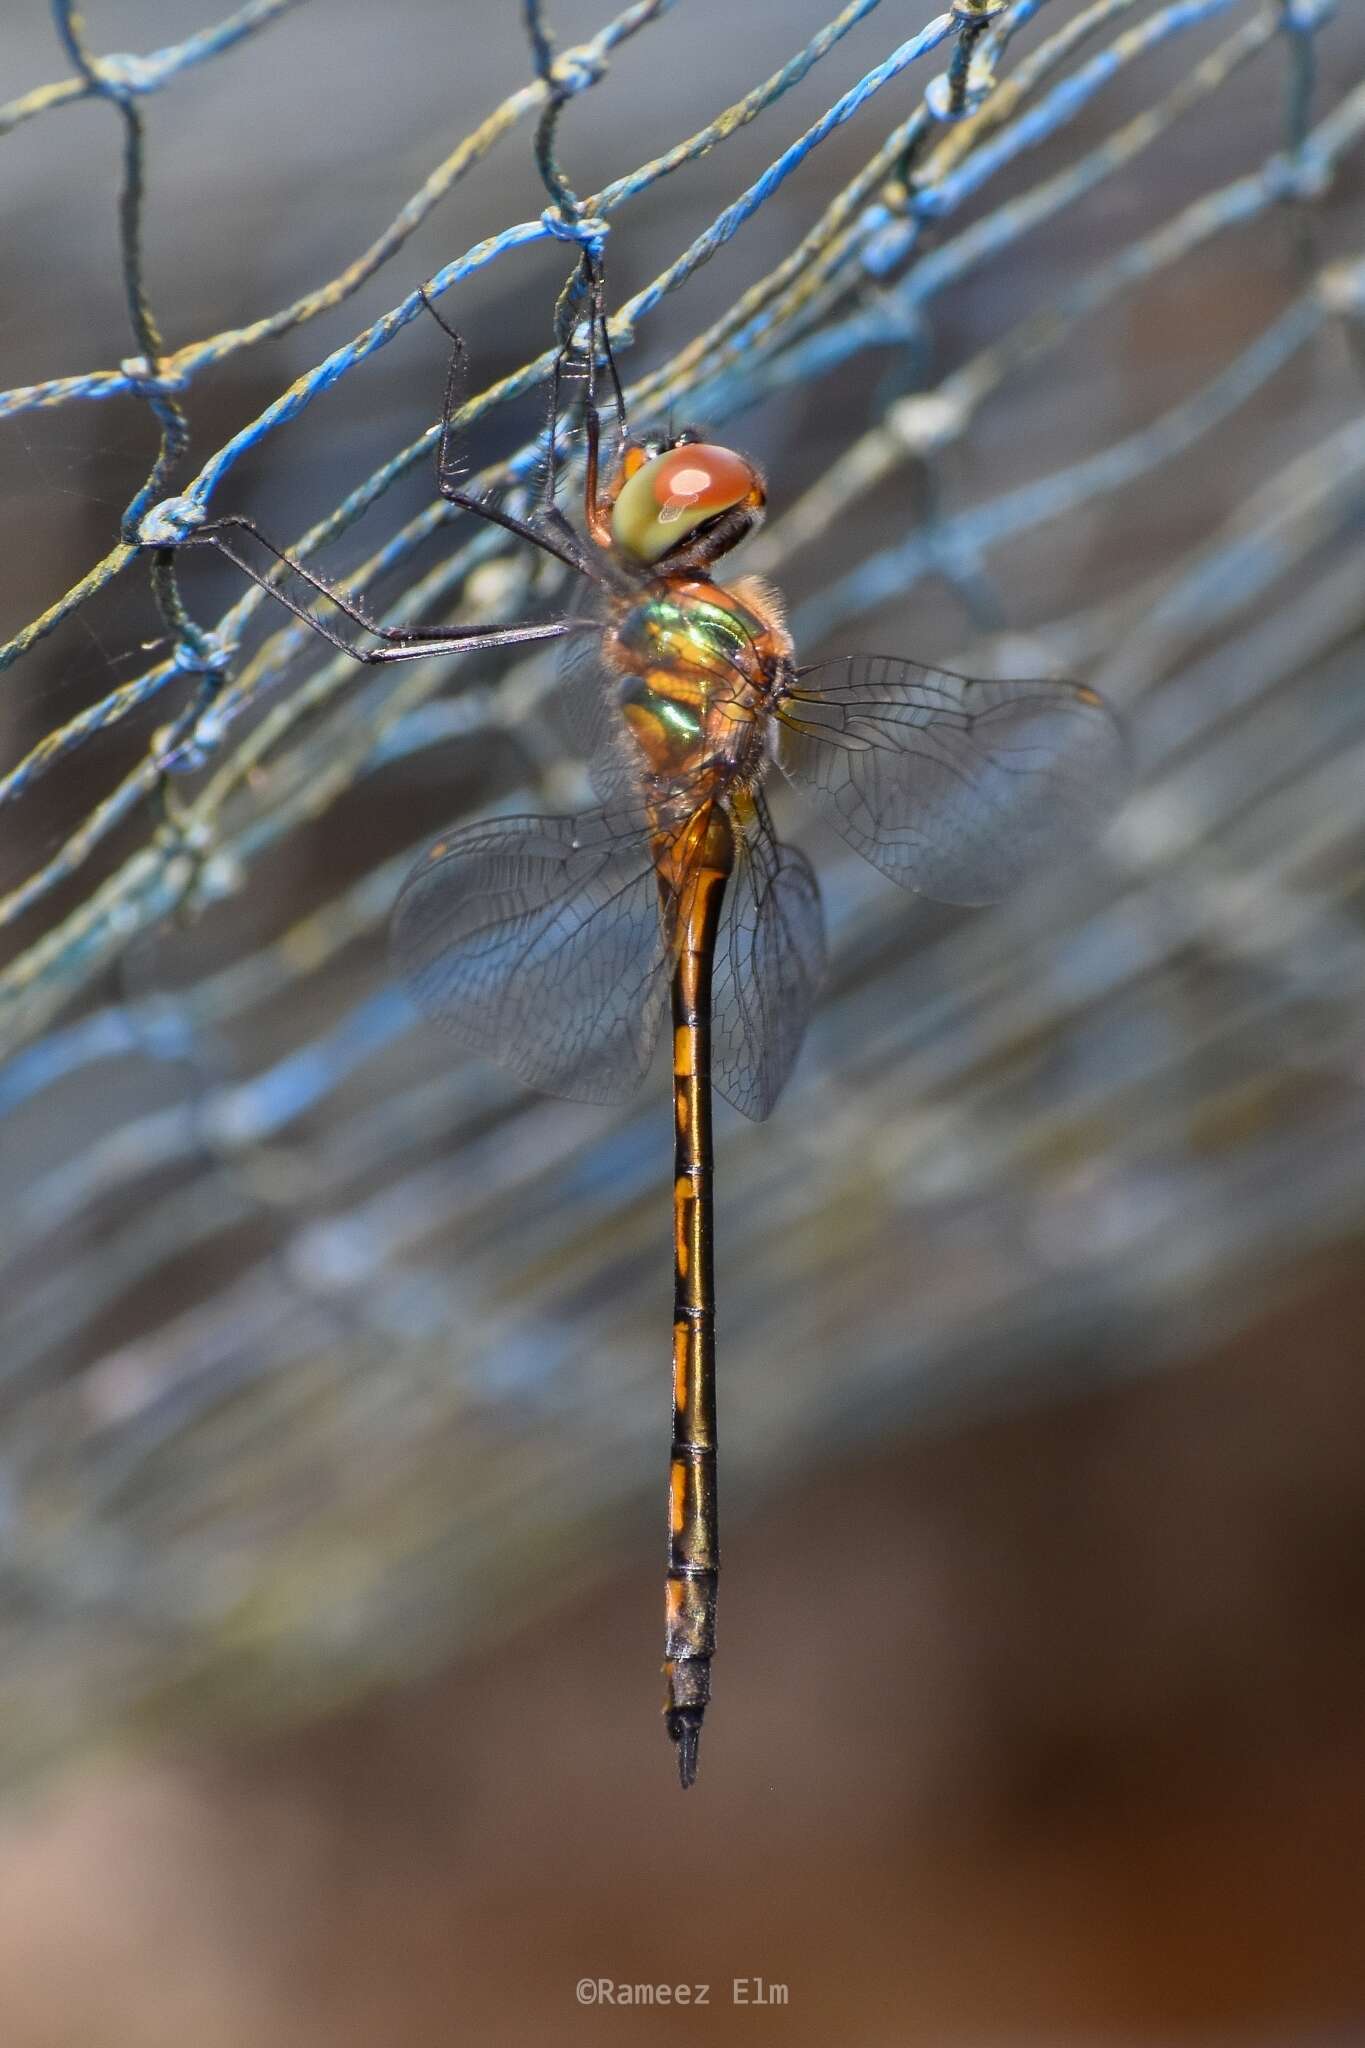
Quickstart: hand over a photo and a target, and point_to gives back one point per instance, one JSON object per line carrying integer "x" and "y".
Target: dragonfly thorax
{"x": 696, "y": 667}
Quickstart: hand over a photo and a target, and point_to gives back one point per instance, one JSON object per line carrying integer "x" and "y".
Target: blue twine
{"x": 589, "y": 230}
{"x": 205, "y": 656}
{"x": 171, "y": 521}
{"x": 728, "y": 223}
{"x": 577, "y": 70}
{"x": 554, "y": 226}
{"x": 1060, "y": 105}
{"x": 939, "y": 98}
{"x": 131, "y": 73}
{"x": 876, "y": 239}
{"x": 1305, "y": 17}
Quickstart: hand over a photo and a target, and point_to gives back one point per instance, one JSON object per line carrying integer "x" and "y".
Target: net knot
{"x": 577, "y": 69}
{"x": 977, "y": 10}
{"x": 149, "y": 380}
{"x": 120, "y": 74}
{"x": 191, "y": 742}
{"x": 1305, "y": 175}
{"x": 1304, "y": 16}
{"x": 886, "y": 240}
{"x": 175, "y": 752}
{"x": 1342, "y": 288}
{"x": 949, "y": 99}
{"x": 927, "y": 420}
{"x": 589, "y": 231}
{"x": 170, "y": 522}
{"x": 190, "y": 838}
{"x": 957, "y": 558}
{"x": 202, "y": 654}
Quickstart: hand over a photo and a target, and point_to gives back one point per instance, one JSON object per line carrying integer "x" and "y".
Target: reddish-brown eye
{"x": 667, "y": 497}
{"x": 703, "y": 475}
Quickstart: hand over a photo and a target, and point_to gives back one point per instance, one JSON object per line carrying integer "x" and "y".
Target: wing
{"x": 770, "y": 956}
{"x": 585, "y": 710}
{"x": 958, "y": 789}
{"x": 539, "y": 941}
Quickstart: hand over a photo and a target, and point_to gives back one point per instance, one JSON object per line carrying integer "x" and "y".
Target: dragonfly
{"x": 557, "y": 946}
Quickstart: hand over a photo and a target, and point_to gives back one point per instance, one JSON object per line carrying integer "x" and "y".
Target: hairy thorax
{"x": 697, "y": 662}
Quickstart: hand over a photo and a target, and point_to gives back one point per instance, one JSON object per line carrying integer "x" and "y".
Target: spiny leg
{"x": 599, "y": 300}
{"x": 549, "y": 513}
{"x": 401, "y": 643}
{"x": 592, "y": 278}
{"x": 594, "y": 517}
{"x": 564, "y": 545}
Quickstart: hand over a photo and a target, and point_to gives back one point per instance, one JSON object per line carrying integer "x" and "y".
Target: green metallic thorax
{"x": 691, "y": 678}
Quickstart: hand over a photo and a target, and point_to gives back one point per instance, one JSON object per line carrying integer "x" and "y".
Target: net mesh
{"x": 1049, "y": 326}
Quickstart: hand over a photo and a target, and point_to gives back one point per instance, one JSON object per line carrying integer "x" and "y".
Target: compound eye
{"x": 668, "y": 497}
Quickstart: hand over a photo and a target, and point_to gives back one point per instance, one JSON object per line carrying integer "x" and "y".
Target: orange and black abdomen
{"x": 693, "y": 1519}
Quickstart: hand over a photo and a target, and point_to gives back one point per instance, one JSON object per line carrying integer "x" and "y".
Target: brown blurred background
{"x": 1041, "y": 1691}
{"x": 1077, "y": 1754}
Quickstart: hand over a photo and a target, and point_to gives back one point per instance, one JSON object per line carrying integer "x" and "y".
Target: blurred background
{"x": 335, "y": 1367}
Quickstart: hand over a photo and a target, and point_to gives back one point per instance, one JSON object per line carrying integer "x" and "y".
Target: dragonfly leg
{"x": 401, "y": 643}
{"x": 563, "y": 543}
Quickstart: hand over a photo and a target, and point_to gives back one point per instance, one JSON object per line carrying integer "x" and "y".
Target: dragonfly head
{"x": 683, "y": 490}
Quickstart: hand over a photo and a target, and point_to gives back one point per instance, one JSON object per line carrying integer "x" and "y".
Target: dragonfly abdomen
{"x": 693, "y": 1524}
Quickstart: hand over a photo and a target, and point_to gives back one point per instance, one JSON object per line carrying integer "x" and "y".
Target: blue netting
{"x": 1100, "y": 1089}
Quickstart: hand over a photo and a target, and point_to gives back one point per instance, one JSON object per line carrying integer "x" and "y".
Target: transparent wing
{"x": 770, "y": 956}
{"x": 585, "y": 709}
{"x": 958, "y": 789}
{"x": 539, "y": 941}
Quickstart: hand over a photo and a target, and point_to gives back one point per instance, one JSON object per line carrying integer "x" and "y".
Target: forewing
{"x": 770, "y": 957}
{"x": 587, "y": 714}
{"x": 539, "y": 942}
{"x": 956, "y": 788}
